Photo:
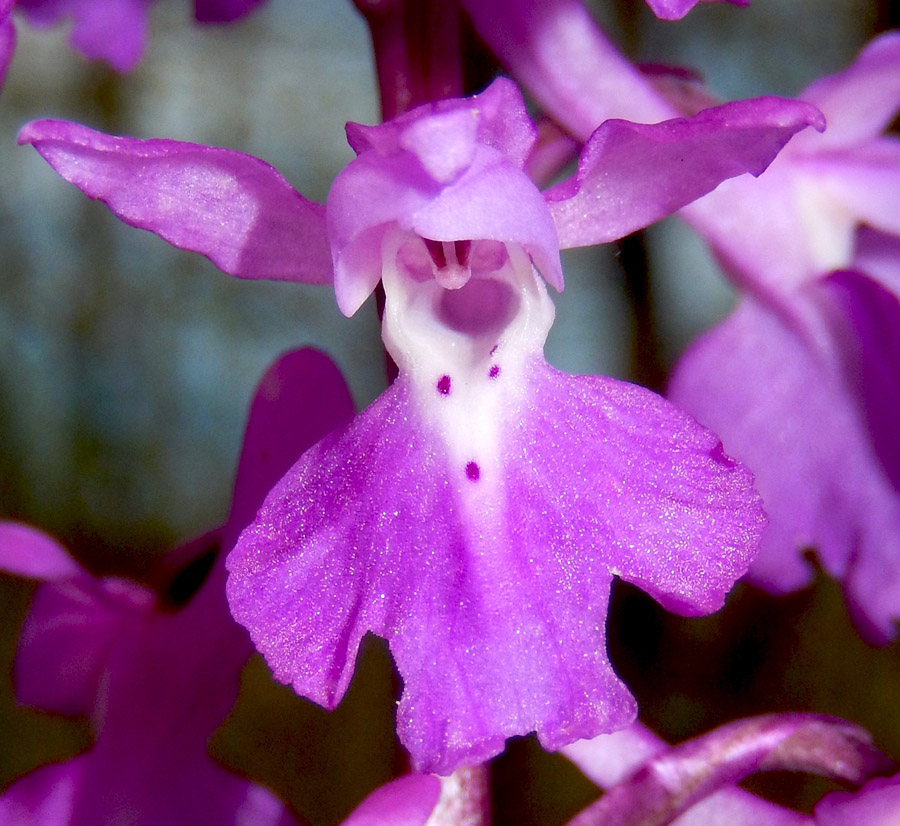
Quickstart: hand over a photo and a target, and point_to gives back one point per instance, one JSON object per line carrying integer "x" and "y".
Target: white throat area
{"x": 465, "y": 349}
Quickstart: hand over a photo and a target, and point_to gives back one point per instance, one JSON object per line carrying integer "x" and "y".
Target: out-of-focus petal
{"x": 67, "y": 636}
{"x": 869, "y": 330}
{"x": 630, "y": 175}
{"x": 111, "y": 30}
{"x": 407, "y": 801}
{"x": 223, "y": 11}
{"x": 860, "y": 102}
{"x": 7, "y": 44}
{"x": 301, "y": 399}
{"x": 610, "y": 758}
{"x": 863, "y": 181}
{"x": 499, "y": 114}
{"x": 556, "y": 50}
{"x": 783, "y": 408}
{"x": 878, "y": 255}
{"x": 30, "y": 553}
{"x": 496, "y": 620}
{"x": 676, "y": 9}
{"x": 45, "y": 797}
{"x": 675, "y": 780}
{"x": 876, "y": 804}
{"x": 233, "y": 208}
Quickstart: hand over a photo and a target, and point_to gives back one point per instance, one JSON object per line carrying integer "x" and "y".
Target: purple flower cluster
{"x": 476, "y": 514}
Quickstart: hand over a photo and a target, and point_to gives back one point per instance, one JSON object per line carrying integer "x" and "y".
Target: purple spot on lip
{"x": 473, "y": 472}
{"x": 494, "y": 371}
{"x": 443, "y": 385}
{"x": 495, "y": 348}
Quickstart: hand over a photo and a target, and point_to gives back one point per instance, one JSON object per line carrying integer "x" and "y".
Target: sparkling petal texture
{"x": 782, "y": 406}
{"x": 495, "y": 618}
{"x": 110, "y": 30}
{"x": 233, "y": 208}
{"x": 630, "y": 175}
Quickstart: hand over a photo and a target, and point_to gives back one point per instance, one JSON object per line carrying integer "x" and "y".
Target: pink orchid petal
{"x": 45, "y": 797}
{"x": 676, "y": 9}
{"x": 673, "y": 781}
{"x": 870, "y": 324}
{"x": 107, "y": 647}
{"x": 30, "y": 553}
{"x": 495, "y": 619}
{"x": 7, "y": 44}
{"x": 760, "y": 230}
{"x": 196, "y": 790}
{"x": 556, "y": 50}
{"x": 408, "y": 801}
{"x": 474, "y": 207}
{"x": 223, "y": 11}
{"x": 878, "y": 255}
{"x": 784, "y": 410}
{"x": 502, "y": 121}
{"x": 860, "y": 102}
{"x": 876, "y": 804}
{"x": 110, "y": 30}
{"x": 233, "y": 208}
{"x": 864, "y": 181}
{"x": 67, "y": 637}
{"x": 630, "y": 175}
{"x": 610, "y": 758}
{"x": 301, "y": 398}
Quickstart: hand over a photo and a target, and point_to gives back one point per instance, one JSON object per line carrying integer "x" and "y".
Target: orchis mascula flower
{"x": 794, "y": 382}
{"x": 476, "y": 513}
{"x": 801, "y": 380}
{"x": 158, "y": 673}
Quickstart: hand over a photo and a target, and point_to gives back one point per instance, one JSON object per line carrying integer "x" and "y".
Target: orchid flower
{"x": 476, "y": 513}
{"x": 158, "y": 672}
{"x": 780, "y": 380}
{"x": 802, "y": 380}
